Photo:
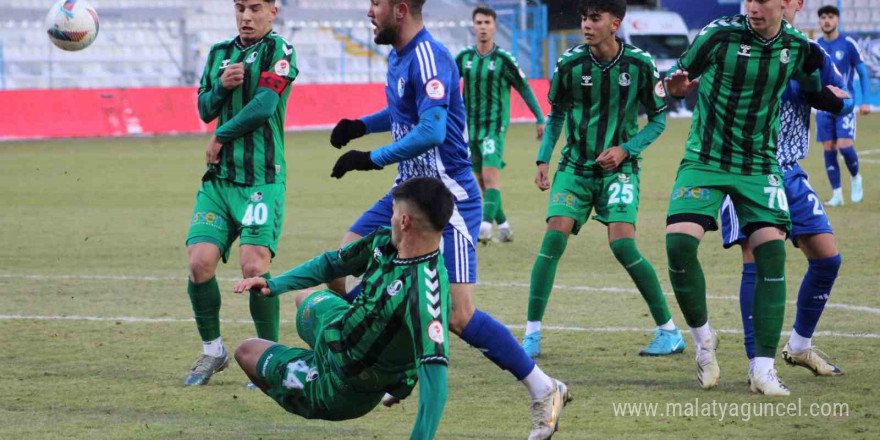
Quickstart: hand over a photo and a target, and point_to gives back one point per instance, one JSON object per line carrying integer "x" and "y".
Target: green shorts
{"x": 224, "y": 211}
{"x": 615, "y": 198}
{"x": 700, "y": 189}
{"x": 487, "y": 152}
{"x": 303, "y": 381}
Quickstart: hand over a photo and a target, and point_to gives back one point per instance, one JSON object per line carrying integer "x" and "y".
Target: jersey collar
{"x": 415, "y": 260}
{"x": 601, "y": 65}
{"x": 418, "y": 38}
{"x": 763, "y": 40}
{"x": 242, "y": 47}
{"x": 494, "y": 48}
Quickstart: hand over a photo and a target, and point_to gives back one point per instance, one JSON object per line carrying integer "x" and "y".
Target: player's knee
{"x": 460, "y": 318}
{"x": 253, "y": 269}
{"x": 200, "y": 269}
{"x": 246, "y": 352}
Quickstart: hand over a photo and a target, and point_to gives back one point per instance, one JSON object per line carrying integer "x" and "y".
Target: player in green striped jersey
{"x": 245, "y": 87}
{"x": 596, "y": 91}
{"x": 395, "y": 332}
{"x": 488, "y": 73}
{"x": 744, "y": 64}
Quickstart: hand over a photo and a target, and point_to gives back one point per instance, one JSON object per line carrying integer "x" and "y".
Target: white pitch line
{"x": 850, "y": 307}
{"x": 868, "y": 152}
{"x": 139, "y": 320}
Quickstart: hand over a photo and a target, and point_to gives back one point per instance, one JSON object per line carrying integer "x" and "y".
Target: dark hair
{"x": 414, "y": 5}
{"x": 829, "y": 9}
{"x": 485, "y": 10}
{"x": 616, "y": 8}
{"x": 430, "y": 196}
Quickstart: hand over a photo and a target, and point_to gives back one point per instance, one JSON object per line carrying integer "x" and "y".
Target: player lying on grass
{"x": 810, "y": 228}
{"x": 395, "y": 332}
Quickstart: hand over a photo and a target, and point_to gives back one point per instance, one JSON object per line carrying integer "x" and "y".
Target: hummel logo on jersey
{"x": 624, "y": 80}
{"x": 586, "y": 80}
{"x": 224, "y": 64}
{"x": 394, "y": 288}
{"x": 744, "y": 50}
{"x": 469, "y": 65}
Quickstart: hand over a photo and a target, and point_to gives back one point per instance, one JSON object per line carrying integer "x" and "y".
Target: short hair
{"x": 430, "y": 196}
{"x": 485, "y": 10}
{"x": 616, "y": 8}
{"x": 414, "y": 5}
{"x": 829, "y": 9}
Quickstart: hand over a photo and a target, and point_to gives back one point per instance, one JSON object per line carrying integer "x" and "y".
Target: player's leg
{"x": 569, "y": 208}
{"x": 378, "y": 215}
{"x": 248, "y": 355}
{"x": 210, "y": 234}
{"x": 265, "y": 311}
{"x": 732, "y": 235}
{"x": 617, "y": 205}
{"x": 492, "y": 151}
{"x": 846, "y": 135}
{"x": 826, "y": 134}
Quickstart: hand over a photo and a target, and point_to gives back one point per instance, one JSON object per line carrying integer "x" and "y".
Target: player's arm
{"x": 681, "y": 77}
{"x": 555, "y": 124}
{"x": 560, "y": 98}
{"x": 212, "y": 95}
{"x": 432, "y": 400}
{"x": 652, "y": 95}
{"x": 862, "y": 70}
{"x": 517, "y": 78}
{"x": 348, "y": 129}
{"x": 832, "y": 77}
{"x": 809, "y": 77}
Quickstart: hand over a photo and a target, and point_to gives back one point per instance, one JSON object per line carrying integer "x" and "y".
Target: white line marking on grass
{"x": 868, "y": 152}
{"x": 869, "y": 160}
{"x": 137, "y": 320}
{"x": 850, "y": 307}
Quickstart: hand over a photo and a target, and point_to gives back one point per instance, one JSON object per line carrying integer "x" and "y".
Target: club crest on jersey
{"x": 745, "y": 50}
{"x": 659, "y": 90}
{"x": 256, "y": 197}
{"x": 839, "y": 54}
{"x": 401, "y": 87}
{"x": 394, "y": 288}
{"x": 624, "y": 80}
{"x": 435, "y": 332}
{"x": 774, "y": 181}
{"x": 282, "y": 68}
{"x": 251, "y": 58}
{"x": 491, "y": 65}
{"x": 586, "y": 80}
{"x": 435, "y": 90}
{"x": 785, "y": 56}
{"x": 377, "y": 253}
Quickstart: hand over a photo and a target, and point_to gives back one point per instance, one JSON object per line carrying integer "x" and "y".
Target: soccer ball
{"x": 72, "y": 24}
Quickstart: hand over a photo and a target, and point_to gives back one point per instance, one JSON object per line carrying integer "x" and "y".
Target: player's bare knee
{"x": 338, "y": 286}
{"x": 301, "y": 296}
{"x": 461, "y": 316}
{"x": 200, "y": 270}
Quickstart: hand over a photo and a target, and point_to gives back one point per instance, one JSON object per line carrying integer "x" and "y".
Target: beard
{"x": 386, "y": 35}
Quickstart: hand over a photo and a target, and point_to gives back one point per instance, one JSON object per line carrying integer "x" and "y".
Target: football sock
{"x": 353, "y": 294}
{"x": 768, "y": 310}
{"x": 544, "y": 273}
{"x": 491, "y": 202}
{"x": 763, "y": 365}
{"x": 205, "y": 299}
{"x": 686, "y": 276}
{"x": 500, "y": 217}
{"x": 851, "y": 159}
{"x": 497, "y": 343}
{"x": 799, "y": 343}
{"x": 533, "y": 327}
{"x": 668, "y": 325}
{"x": 265, "y": 311}
{"x": 701, "y": 333}
{"x": 538, "y": 383}
{"x": 813, "y": 294}
{"x": 746, "y": 301}
{"x": 751, "y": 365}
{"x": 832, "y": 168}
{"x": 643, "y": 275}
{"x": 214, "y": 348}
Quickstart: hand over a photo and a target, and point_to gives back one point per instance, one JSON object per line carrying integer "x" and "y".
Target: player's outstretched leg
{"x": 204, "y": 296}
{"x": 689, "y": 284}
{"x": 543, "y": 275}
{"x": 768, "y": 310}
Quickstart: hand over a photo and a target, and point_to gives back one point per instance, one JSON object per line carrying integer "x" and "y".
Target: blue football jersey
{"x": 844, "y": 52}
{"x": 794, "y": 117}
{"x": 423, "y": 75}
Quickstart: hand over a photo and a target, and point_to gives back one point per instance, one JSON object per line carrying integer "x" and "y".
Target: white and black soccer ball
{"x": 72, "y": 24}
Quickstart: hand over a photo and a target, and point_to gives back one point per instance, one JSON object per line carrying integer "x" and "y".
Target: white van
{"x": 662, "y": 33}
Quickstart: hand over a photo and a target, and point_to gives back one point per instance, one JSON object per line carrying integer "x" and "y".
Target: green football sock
{"x": 768, "y": 309}
{"x": 491, "y": 202}
{"x": 500, "y": 217}
{"x": 205, "y": 299}
{"x": 265, "y": 311}
{"x": 642, "y": 273}
{"x": 687, "y": 278}
{"x": 544, "y": 273}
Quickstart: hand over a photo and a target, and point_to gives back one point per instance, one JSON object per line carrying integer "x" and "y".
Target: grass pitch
{"x": 96, "y": 337}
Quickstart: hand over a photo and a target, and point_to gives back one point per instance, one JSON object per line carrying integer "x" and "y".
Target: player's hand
{"x": 212, "y": 154}
{"x": 346, "y": 130}
{"x": 540, "y": 130}
{"x": 865, "y": 109}
{"x": 611, "y": 158}
{"x": 541, "y": 179}
{"x": 838, "y": 92}
{"x": 351, "y": 161}
{"x": 256, "y": 284}
{"x": 679, "y": 86}
{"x": 233, "y": 76}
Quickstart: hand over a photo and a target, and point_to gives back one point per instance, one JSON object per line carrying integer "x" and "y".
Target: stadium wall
{"x": 71, "y": 113}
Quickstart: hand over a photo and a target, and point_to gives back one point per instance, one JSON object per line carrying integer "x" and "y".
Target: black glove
{"x": 346, "y": 130}
{"x": 353, "y": 160}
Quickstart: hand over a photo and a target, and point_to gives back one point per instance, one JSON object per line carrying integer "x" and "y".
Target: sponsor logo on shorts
{"x": 691, "y": 192}
{"x": 561, "y": 198}
{"x": 435, "y": 332}
{"x": 209, "y": 218}
{"x": 774, "y": 180}
{"x": 394, "y": 288}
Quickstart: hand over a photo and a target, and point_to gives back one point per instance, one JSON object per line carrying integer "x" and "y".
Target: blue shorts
{"x": 807, "y": 214}
{"x": 459, "y": 236}
{"x": 830, "y": 127}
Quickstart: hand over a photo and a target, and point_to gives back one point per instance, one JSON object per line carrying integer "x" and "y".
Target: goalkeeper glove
{"x": 346, "y": 130}
{"x": 353, "y": 160}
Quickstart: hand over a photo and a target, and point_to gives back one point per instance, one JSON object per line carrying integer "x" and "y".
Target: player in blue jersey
{"x": 838, "y": 132}
{"x": 426, "y": 118}
{"x": 810, "y": 231}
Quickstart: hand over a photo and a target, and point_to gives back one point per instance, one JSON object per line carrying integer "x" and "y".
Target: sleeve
{"x": 859, "y": 65}
{"x": 699, "y": 54}
{"x": 433, "y": 76}
{"x": 379, "y": 122}
{"x": 555, "y": 124}
{"x": 459, "y": 59}
{"x": 832, "y": 77}
{"x": 433, "y": 393}
{"x": 278, "y": 68}
{"x": 349, "y": 260}
{"x": 430, "y": 131}
{"x": 427, "y": 314}
{"x": 517, "y": 79}
{"x": 652, "y": 92}
{"x": 560, "y": 90}
{"x": 647, "y": 135}
{"x": 212, "y": 96}
{"x": 854, "y": 53}
{"x": 808, "y": 75}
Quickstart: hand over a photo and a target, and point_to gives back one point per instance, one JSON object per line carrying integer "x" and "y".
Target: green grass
{"x": 120, "y": 207}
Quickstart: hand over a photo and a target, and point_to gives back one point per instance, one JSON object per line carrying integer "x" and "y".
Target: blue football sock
{"x": 851, "y": 159}
{"x": 353, "y": 294}
{"x": 814, "y": 293}
{"x": 832, "y": 168}
{"x": 746, "y": 299}
{"x": 498, "y": 344}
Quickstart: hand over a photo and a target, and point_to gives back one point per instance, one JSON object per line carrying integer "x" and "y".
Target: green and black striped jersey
{"x": 601, "y": 103}
{"x": 487, "y": 82}
{"x": 742, "y": 78}
{"x": 258, "y": 157}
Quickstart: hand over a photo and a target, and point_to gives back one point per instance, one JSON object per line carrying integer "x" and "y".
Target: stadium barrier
{"x": 71, "y": 113}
